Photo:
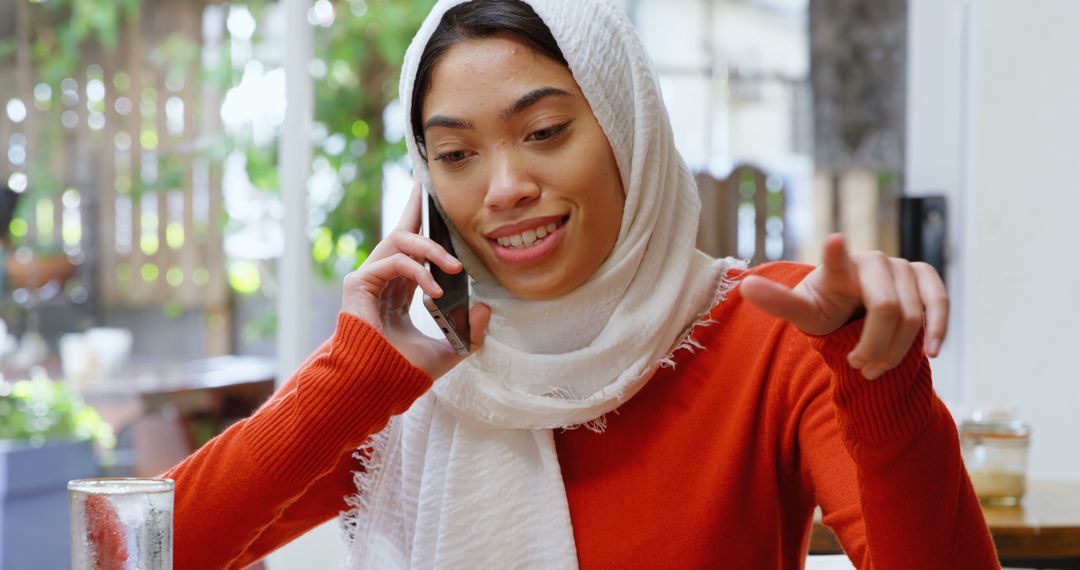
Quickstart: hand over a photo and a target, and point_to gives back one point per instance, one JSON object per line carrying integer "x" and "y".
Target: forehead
{"x": 479, "y": 73}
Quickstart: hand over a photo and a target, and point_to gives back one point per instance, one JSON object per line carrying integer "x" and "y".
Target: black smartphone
{"x": 451, "y": 311}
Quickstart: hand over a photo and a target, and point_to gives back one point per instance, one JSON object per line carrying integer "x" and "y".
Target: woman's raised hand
{"x": 895, "y": 294}
{"x": 380, "y": 292}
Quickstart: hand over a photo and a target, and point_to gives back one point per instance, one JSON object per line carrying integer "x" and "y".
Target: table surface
{"x": 1045, "y": 525}
{"x": 157, "y": 378}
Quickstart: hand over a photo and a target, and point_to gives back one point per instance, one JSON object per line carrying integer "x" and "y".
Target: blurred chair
{"x": 743, "y": 215}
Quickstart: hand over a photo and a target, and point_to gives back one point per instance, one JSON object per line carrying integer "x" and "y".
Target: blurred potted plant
{"x": 47, "y": 437}
{"x": 26, "y": 269}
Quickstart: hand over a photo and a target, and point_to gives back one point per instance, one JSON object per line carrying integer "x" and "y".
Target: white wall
{"x": 937, "y": 60}
{"x": 993, "y": 122}
{"x": 1024, "y": 202}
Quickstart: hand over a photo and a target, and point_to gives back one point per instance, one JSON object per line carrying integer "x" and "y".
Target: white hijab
{"x": 469, "y": 476}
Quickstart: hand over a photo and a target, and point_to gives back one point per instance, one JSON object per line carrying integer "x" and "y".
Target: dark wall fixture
{"x": 922, "y": 230}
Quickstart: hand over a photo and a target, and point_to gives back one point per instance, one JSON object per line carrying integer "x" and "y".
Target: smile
{"x": 528, "y": 238}
{"x": 529, "y": 242}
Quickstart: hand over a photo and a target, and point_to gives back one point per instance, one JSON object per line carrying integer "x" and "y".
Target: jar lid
{"x": 999, "y": 428}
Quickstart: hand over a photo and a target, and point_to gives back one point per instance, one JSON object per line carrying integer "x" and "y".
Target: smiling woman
{"x": 528, "y": 179}
{"x": 743, "y": 398}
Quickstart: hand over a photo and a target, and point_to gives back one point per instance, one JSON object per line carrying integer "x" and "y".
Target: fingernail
{"x": 855, "y": 361}
{"x": 871, "y": 373}
{"x": 933, "y": 347}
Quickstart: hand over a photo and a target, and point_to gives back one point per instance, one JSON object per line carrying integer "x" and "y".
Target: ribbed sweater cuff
{"x": 897, "y": 404}
{"x": 341, "y": 398}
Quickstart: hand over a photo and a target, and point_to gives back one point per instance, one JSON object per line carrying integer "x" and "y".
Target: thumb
{"x": 479, "y": 317}
{"x": 777, "y": 300}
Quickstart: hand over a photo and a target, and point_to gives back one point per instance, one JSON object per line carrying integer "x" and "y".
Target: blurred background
{"x": 183, "y": 184}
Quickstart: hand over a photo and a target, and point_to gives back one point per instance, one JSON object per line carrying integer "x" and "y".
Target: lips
{"x": 508, "y": 230}
{"x": 527, "y": 242}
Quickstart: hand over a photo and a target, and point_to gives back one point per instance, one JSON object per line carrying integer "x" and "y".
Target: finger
{"x": 837, "y": 261}
{"x": 410, "y": 218}
{"x": 382, "y": 272}
{"x": 882, "y": 311}
{"x": 778, "y": 300}
{"x": 399, "y": 294}
{"x": 479, "y": 317}
{"x": 911, "y": 315}
{"x": 422, "y": 248}
{"x": 935, "y": 299}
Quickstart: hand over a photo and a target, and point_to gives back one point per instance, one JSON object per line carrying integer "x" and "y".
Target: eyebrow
{"x": 528, "y": 100}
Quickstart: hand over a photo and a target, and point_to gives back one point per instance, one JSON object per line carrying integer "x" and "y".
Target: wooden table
{"x": 168, "y": 410}
{"x": 1044, "y": 532}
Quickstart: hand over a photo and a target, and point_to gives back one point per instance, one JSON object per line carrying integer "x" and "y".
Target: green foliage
{"x": 57, "y": 49}
{"x": 362, "y": 51}
{"x": 7, "y": 48}
{"x": 36, "y": 411}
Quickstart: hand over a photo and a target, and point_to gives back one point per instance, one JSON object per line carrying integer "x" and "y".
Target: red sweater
{"x": 715, "y": 463}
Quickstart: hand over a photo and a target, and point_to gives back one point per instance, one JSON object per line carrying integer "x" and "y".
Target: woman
{"x": 713, "y": 427}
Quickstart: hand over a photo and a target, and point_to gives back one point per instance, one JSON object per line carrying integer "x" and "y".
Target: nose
{"x": 510, "y": 185}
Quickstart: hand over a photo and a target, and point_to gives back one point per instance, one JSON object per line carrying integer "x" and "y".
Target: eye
{"x": 548, "y": 133}
{"x": 453, "y": 156}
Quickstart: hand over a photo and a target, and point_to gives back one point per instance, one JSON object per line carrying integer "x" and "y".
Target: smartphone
{"x": 451, "y": 311}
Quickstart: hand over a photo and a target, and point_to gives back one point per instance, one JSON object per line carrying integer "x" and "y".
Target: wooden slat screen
{"x": 140, "y": 197}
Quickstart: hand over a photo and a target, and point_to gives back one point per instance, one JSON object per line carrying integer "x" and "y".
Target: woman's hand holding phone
{"x": 381, "y": 290}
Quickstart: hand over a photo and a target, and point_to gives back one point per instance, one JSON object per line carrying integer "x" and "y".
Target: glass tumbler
{"x": 121, "y": 524}
{"x": 995, "y": 453}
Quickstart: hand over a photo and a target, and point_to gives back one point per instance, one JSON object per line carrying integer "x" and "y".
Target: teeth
{"x": 528, "y": 237}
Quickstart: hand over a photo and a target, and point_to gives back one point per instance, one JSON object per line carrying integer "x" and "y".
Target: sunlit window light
{"x": 321, "y": 14}
{"x": 122, "y": 237}
{"x": 174, "y": 277}
{"x": 244, "y": 277}
{"x": 174, "y": 115}
{"x": 44, "y": 221}
{"x": 16, "y": 110}
{"x": 70, "y": 119}
{"x": 747, "y": 229}
{"x": 149, "y": 272}
{"x": 18, "y": 182}
{"x": 95, "y": 90}
{"x": 18, "y": 228}
{"x": 174, "y": 235}
{"x": 241, "y": 24}
{"x": 148, "y": 224}
{"x": 71, "y": 230}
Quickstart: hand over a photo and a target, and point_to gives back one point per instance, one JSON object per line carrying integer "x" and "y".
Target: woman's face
{"x": 521, "y": 166}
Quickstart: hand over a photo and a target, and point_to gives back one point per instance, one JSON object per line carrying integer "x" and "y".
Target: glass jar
{"x": 995, "y": 449}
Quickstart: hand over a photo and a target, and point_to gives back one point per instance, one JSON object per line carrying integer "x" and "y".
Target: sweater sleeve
{"x": 287, "y": 468}
{"x": 883, "y": 459}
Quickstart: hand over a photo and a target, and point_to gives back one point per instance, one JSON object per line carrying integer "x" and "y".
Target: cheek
{"x": 456, "y": 201}
{"x": 605, "y": 191}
